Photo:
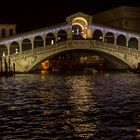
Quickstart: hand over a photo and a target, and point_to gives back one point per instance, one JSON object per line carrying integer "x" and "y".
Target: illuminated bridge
{"x": 28, "y": 50}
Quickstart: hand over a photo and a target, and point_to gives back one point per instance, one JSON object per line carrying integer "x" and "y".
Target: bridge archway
{"x": 76, "y": 32}
{"x": 14, "y": 47}
{"x": 3, "y": 50}
{"x": 133, "y": 43}
{"x": 50, "y": 39}
{"x": 38, "y": 42}
{"x": 26, "y": 44}
{"x": 79, "y": 28}
{"x": 121, "y": 40}
{"x": 109, "y": 38}
{"x": 97, "y": 35}
{"x": 61, "y": 36}
{"x": 112, "y": 61}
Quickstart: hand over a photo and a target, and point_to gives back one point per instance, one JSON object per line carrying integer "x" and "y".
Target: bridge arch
{"x": 61, "y": 36}
{"x": 80, "y": 28}
{"x": 97, "y": 35}
{"x": 109, "y": 38}
{"x": 26, "y": 44}
{"x": 113, "y": 60}
{"x": 76, "y": 32}
{"x": 133, "y": 43}
{"x": 14, "y": 47}
{"x": 3, "y": 50}
{"x": 50, "y": 39}
{"x": 38, "y": 42}
{"x": 121, "y": 40}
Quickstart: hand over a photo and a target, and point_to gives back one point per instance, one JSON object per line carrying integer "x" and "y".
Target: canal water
{"x": 67, "y": 107}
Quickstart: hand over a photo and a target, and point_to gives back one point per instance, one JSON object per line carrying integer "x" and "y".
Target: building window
{"x": 11, "y": 32}
{"x": 3, "y": 32}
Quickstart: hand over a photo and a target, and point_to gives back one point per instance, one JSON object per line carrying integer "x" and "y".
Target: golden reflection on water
{"x": 83, "y": 103}
{"x": 138, "y": 129}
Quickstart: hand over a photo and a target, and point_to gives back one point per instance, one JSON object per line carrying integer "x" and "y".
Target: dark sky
{"x": 33, "y": 14}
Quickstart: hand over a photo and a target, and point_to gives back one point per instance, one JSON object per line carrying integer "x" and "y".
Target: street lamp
{"x": 52, "y": 42}
{"x": 16, "y": 50}
{"x": 3, "y": 54}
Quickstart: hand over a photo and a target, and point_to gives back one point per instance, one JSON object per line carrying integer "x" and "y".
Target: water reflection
{"x": 70, "y": 107}
{"x": 86, "y": 117}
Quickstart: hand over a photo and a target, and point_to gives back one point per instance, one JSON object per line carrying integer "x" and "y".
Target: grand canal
{"x": 61, "y": 107}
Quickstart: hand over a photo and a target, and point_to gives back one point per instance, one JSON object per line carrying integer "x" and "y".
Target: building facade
{"x": 7, "y": 30}
{"x": 123, "y": 17}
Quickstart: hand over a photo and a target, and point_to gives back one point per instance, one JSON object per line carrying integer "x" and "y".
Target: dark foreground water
{"x": 61, "y": 107}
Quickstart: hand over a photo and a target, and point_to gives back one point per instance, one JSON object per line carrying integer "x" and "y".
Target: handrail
{"x": 97, "y": 44}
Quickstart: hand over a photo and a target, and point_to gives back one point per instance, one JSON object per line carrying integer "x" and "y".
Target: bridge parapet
{"x": 26, "y": 60}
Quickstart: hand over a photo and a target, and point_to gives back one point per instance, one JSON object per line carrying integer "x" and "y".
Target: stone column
{"x": 127, "y": 39}
{"x": 55, "y": 34}
{"x": 103, "y": 37}
{"x": 44, "y": 40}
{"x": 69, "y": 34}
{"x": 20, "y": 46}
{"x": 8, "y": 48}
{"x": 32, "y": 42}
{"x": 115, "y": 39}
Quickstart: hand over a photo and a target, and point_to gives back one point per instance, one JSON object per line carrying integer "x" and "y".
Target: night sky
{"x": 33, "y": 14}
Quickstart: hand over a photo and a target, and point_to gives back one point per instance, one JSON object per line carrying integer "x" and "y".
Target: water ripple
{"x": 102, "y": 107}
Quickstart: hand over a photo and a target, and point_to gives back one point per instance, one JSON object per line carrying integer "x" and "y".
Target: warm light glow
{"x": 79, "y": 25}
{"x": 100, "y": 37}
{"x": 80, "y": 21}
{"x": 52, "y": 42}
{"x": 3, "y": 54}
{"x": 80, "y": 18}
{"x": 16, "y": 50}
{"x": 44, "y": 65}
{"x": 138, "y": 133}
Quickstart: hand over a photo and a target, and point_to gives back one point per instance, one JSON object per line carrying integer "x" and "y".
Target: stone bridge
{"x": 28, "y": 50}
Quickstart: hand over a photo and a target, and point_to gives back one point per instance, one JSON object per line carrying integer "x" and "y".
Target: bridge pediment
{"x": 70, "y": 18}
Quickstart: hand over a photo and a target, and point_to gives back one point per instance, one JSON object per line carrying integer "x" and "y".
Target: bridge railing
{"x": 117, "y": 48}
{"x": 37, "y": 50}
{"x": 78, "y": 44}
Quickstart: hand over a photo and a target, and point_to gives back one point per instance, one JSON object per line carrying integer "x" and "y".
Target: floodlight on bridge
{"x": 3, "y": 54}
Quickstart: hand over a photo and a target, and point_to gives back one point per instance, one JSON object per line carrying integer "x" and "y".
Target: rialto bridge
{"x": 30, "y": 49}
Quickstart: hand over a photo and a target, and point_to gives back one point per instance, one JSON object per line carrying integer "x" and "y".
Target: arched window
{"x": 62, "y": 36}
{"x": 121, "y": 40}
{"x": 26, "y": 44}
{"x": 38, "y": 42}
{"x": 76, "y": 32}
{"x": 50, "y": 39}
{"x": 133, "y": 43}
{"x": 80, "y": 28}
{"x": 14, "y": 47}
{"x": 109, "y": 38}
{"x": 97, "y": 35}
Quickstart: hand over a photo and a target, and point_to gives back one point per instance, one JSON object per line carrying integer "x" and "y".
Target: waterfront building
{"x": 7, "y": 29}
{"x": 124, "y": 17}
